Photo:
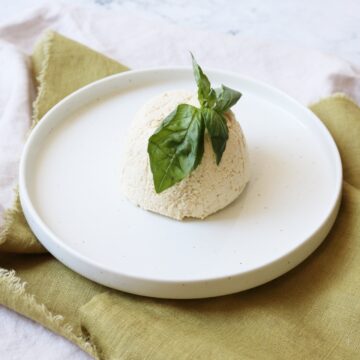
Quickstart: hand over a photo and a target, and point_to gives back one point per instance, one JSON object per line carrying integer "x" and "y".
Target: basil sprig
{"x": 177, "y": 146}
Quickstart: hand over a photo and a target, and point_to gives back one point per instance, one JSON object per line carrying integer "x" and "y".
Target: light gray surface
{"x": 331, "y": 26}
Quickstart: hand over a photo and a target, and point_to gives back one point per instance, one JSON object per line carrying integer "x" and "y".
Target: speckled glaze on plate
{"x": 70, "y": 193}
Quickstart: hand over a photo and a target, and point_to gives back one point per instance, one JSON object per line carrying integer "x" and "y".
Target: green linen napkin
{"x": 312, "y": 312}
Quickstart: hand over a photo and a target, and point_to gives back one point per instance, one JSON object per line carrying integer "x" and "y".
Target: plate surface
{"x": 70, "y": 193}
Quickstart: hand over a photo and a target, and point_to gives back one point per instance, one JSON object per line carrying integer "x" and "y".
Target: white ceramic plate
{"x": 69, "y": 189}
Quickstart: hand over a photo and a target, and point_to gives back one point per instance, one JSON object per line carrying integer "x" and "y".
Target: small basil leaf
{"x": 216, "y": 126}
{"x": 226, "y": 98}
{"x": 206, "y": 95}
{"x": 177, "y": 147}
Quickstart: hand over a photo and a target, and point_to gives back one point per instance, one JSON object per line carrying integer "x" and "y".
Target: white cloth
{"x": 306, "y": 75}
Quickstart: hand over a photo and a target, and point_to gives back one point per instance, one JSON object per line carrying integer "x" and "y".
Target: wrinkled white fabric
{"x": 306, "y": 75}
{"x": 15, "y": 108}
{"x": 23, "y": 339}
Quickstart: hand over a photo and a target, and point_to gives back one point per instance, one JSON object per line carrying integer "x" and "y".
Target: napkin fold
{"x": 311, "y": 312}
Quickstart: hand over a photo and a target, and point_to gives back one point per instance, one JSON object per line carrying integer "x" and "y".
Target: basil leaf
{"x": 177, "y": 147}
{"x": 206, "y": 95}
{"x": 216, "y": 126}
{"x": 226, "y": 98}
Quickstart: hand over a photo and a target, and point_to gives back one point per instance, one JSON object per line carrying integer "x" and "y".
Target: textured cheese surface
{"x": 206, "y": 190}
